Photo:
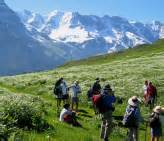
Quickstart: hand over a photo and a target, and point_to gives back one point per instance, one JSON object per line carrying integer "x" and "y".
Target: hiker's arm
{"x": 69, "y": 87}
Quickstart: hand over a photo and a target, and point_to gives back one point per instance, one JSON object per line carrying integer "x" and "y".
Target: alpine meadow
{"x": 28, "y": 109}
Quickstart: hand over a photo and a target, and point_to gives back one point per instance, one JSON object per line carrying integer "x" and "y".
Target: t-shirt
{"x": 63, "y": 113}
{"x": 76, "y": 90}
{"x": 152, "y": 91}
{"x": 145, "y": 89}
{"x": 64, "y": 87}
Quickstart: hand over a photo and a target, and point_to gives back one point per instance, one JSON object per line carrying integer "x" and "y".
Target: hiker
{"x": 132, "y": 118}
{"x": 64, "y": 88}
{"x": 96, "y": 88}
{"x": 58, "y": 92}
{"x": 89, "y": 94}
{"x": 145, "y": 88}
{"x": 76, "y": 90}
{"x": 68, "y": 116}
{"x": 106, "y": 108}
{"x": 155, "y": 124}
{"x": 151, "y": 94}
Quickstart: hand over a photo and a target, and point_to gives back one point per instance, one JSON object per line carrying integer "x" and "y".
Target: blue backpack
{"x": 130, "y": 117}
{"x": 103, "y": 103}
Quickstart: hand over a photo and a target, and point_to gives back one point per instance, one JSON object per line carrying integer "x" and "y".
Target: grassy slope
{"x": 125, "y": 71}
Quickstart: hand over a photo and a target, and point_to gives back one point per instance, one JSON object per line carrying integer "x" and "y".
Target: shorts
{"x": 75, "y": 99}
{"x": 66, "y": 96}
{"x": 156, "y": 132}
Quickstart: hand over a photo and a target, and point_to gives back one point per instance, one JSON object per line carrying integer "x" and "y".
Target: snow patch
{"x": 65, "y": 34}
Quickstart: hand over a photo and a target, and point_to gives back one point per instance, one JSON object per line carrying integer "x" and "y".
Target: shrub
{"x": 28, "y": 112}
{"x": 6, "y": 126}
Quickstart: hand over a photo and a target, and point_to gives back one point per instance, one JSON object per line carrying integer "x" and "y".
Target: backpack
{"x": 129, "y": 119}
{"x": 99, "y": 104}
{"x": 154, "y": 121}
{"x": 96, "y": 89}
{"x": 57, "y": 88}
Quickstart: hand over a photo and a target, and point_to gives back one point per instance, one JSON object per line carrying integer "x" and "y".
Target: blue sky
{"x": 141, "y": 10}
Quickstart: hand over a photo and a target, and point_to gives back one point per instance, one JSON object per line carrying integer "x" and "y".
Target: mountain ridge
{"x": 33, "y": 42}
{"x": 117, "y": 32}
{"x": 19, "y": 51}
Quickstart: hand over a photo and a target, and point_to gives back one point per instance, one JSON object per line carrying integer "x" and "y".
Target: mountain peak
{"x": 156, "y": 22}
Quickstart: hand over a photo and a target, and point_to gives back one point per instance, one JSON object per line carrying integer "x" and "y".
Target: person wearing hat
{"x": 64, "y": 89}
{"x": 133, "y": 123}
{"x": 155, "y": 124}
{"x": 96, "y": 88}
{"x": 108, "y": 99}
{"x": 75, "y": 91}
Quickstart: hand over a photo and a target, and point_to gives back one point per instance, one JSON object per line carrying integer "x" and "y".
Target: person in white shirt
{"x": 68, "y": 116}
{"x": 145, "y": 87}
{"x": 66, "y": 111}
{"x": 75, "y": 91}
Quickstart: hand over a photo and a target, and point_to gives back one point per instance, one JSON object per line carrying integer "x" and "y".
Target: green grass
{"x": 126, "y": 71}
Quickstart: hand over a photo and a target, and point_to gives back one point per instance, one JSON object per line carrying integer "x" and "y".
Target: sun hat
{"x": 107, "y": 87}
{"x": 76, "y": 82}
{"x": 157, "y": 109}
{"x": 133, "y": 101}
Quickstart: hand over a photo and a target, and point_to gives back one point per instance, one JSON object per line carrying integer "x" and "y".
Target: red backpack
{"x": 98, "y": 103}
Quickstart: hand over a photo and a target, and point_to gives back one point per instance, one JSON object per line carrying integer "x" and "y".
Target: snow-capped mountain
{"x": 32, "y": 42}
{"x": 90, "y": 32}
{"x": 19, "y": 51}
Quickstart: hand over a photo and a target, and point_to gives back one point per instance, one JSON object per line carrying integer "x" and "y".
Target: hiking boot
{"x": 106, "y": 139}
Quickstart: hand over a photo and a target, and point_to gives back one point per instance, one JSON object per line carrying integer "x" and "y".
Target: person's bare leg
{"x": 157, "y": 138}
{"x": 152, "y": 138}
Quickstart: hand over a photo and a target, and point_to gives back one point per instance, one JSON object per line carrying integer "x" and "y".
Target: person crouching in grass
{"x": 68, "y": 116}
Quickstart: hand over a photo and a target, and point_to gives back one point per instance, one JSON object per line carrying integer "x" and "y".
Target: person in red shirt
{"x": 151, "y": 94}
